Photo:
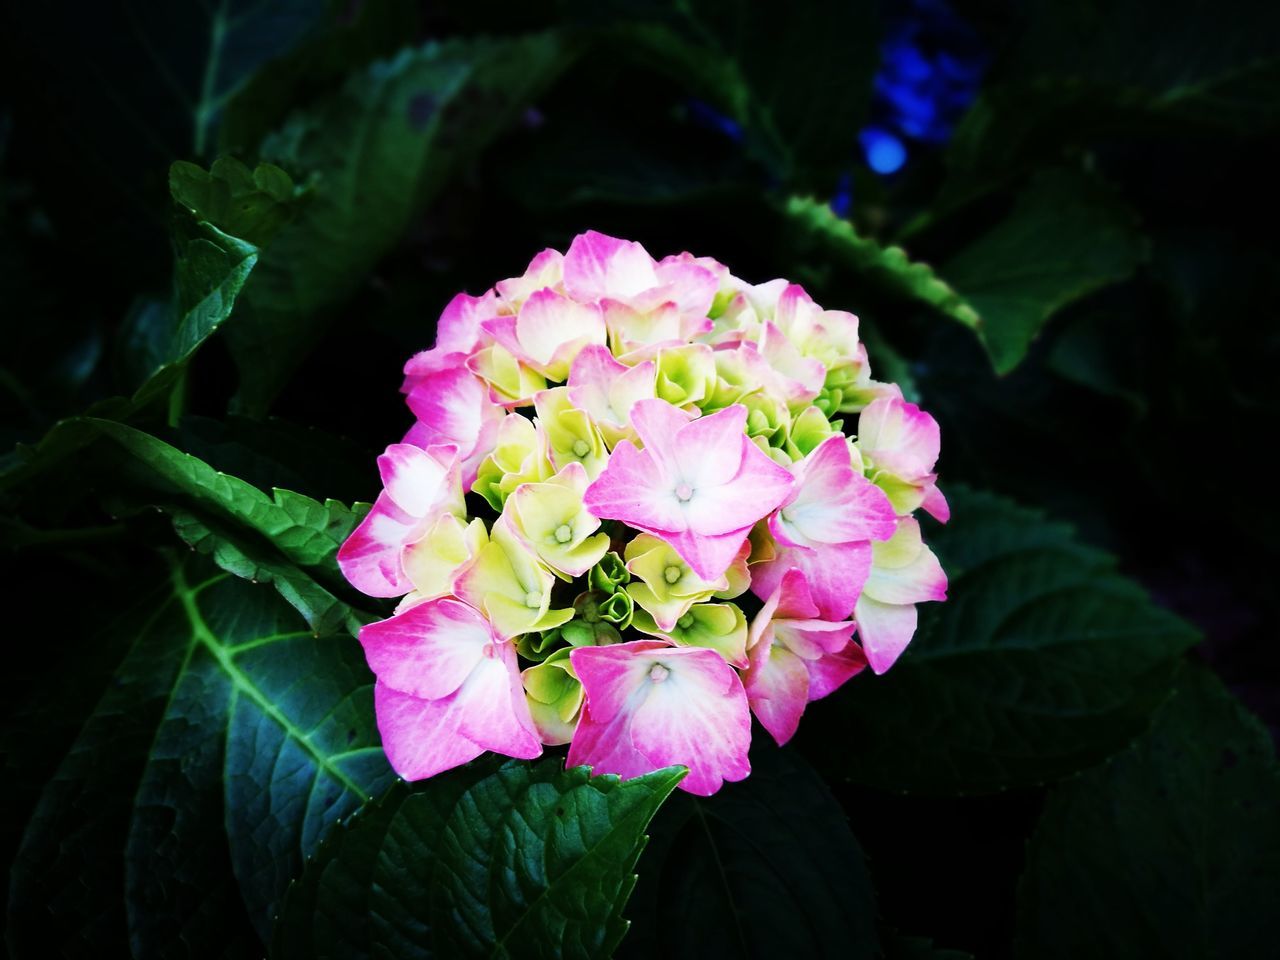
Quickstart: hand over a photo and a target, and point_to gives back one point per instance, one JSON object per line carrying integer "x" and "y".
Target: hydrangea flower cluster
{"x": 679, "y": 533}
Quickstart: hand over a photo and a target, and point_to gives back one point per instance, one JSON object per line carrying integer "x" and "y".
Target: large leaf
{"x": 286, "y": 538}
{"x": 375, "y": 154}
{"x": 1172, "y": 849}
{"x": 765, "y": 868}
{"x": 231, "y": 739}
{"x": 1043, "y": 661}
{"x": 528, "y": 860}
{"x": 1066, "y": 237}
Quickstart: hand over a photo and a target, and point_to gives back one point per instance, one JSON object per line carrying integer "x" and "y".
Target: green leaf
{"x": 253, "y": 204}
{"x": 765, "y": 868}
{"x": 816, "y": 231}
{"x": 229, "y": 742}
{"x": 1066, "y": 237}
{"x": 285, "y": 538}
{"x": 210, "y": 270}
{"x": 375, "y": 154}
{"x": 528, "y": 860}
{"x": 1172, "y": 849}
{"x": 1043, "y": 661}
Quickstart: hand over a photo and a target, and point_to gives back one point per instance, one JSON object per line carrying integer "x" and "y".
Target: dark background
{"x": 1137, "y": 403}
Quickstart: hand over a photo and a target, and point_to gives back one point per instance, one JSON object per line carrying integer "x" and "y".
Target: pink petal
{"x": 899, "y": 437}
{"x": 418, "y": 480}
{"x": 833, "y": 503}
{"x": 429, "y": 650}
{"x": 592, "y": 372}
{"x": 828, "y": 673}
{"x": 493, "y": 710}
{"x": 885, "y": 629}
{"x": 548, "y": 323}
{"x": 699, "y": 717}
{"x": 605, "y": 746}
{"x": 935, "y": 504}
{"x": 420, "y": 737}
{"x": 610, "y": 674}
{"x": 750, "y": 495}
{"x": 709, "y": 450}
{"x": 709, "y": 555}
{"x": 658, "y": 422}
{"x": 601, "y": 266}
{"x": 835, "y": 573}
{"x": 453, "y": 406}
{"x": 777, "y": 687}
{"x": 631, "y": 488}
{"x": 457, "y": 331}
{"x": 370, "y": 557}
{"x": 544, "y": 270}
{"x": 690, "y": 286}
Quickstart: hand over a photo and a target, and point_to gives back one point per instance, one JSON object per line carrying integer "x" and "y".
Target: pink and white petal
{"x": 625, "y": 391}
{"x": 657, "y": 423}
{"x": 710, "y": 449}
{"x": 899, "y": 436}
{"x": 829, "y": 673}
{"x": 417, "y": 480}
{"x": 420, "y": 737}
{"x": 758, "y": 487}
{"x": 710, "y": 555}
{"x": 548, "y": 321}
{"x": 602, "y": 266}
{"x": 429, "y": 650}
{"x": 544, "y": 270}
{"x": 794, "y": 598}
{"x": 606, "y": 747}
{"x": 370, "y": 557}
{"x": 777, "y": 687}
{"x": 611, "y": 674}
{"x": 835, "y": 573}
{"x": 835, "y": 504}
{"x": 632, "y": 489}
{"x": 493, "y": 710}
{"x": 458, "y": 329}
{"x": 690, "y": 286}
{"x": 453, "y": 406}
{"x": 884, "y": 629}
{"x": 593, "y": 372}
{"x": 813, "y": 639}
{"x": 698, "y": 716}
{"x": 935, "y": 504}
{"x": 921, "y": 580}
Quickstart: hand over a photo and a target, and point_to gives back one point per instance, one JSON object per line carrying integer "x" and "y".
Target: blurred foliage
{"x": 222, "y": 229}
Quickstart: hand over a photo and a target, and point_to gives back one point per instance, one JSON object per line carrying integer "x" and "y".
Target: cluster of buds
{"x": 628, "y": 517}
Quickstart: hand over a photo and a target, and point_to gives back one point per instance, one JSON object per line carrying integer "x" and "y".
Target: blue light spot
{"x": 885, "y": 152}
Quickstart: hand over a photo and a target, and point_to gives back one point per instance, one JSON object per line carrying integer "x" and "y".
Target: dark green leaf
{"x": 817, "y": 231}
{"x": 253, "y": 204}
{"x": 1066, "y": 237}
{"x": 530, "y": 860}
{"x": 375, "y": 154}
{"x": 230, "y": 741}
{"x": 765, "y": 868}
{"x": 1172, "y": 849}
{"x": 1043, "y": 661}
{"x": 286, "y": 538}
{"x": 210, "y": 270}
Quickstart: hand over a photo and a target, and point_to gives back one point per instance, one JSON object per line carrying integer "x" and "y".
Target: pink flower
{"x": 903, "y": 572}
{"x": 453, "y": 406}
{"x": 698, "y": 484}
{"x": 795, "y": 657}
{"x": 900, "y": 443}
{"x": 606, "y": 390}
{"x": 649, "y": 705}
{"x": 448, "y": 689}
{"x": 457, "y": 331}
{"x": 549, "y": 331}
{"x": 419, "y": 486}
{"x": 823, "y": 529}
